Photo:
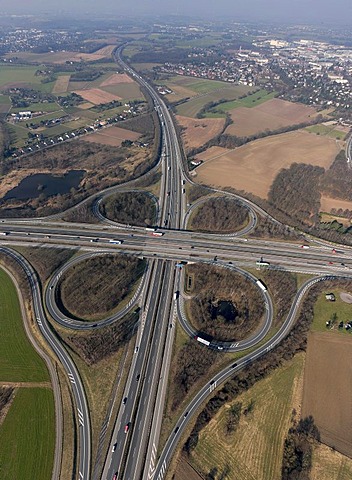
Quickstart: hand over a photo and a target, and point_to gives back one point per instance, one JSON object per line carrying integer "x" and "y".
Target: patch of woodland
{"x": 197, "y": 191}
{"x": 295, "y": 192}
{"x": 82, "y": 213}
{"x": 266, "y": 228}
{"x": 46, "y": 260}
{"x": 298, "y": 448}
{"x": 6, "y": 395}
{"x": 220, "y": 214}
{"x": 191, "y": 364}
{"x": 94, "y": 287}
{"x": 293, "y": 343}
{"x": 99, "y": 344}
{"x": 224, "y": 304}
{"x": 283, "y": 288}
{"x": 135, "y": 208}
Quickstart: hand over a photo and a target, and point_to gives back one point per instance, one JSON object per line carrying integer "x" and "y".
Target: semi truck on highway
{"x": 261, "y": 285}
{"x": 204, "y": 339}
{"x": 261, "y": 262}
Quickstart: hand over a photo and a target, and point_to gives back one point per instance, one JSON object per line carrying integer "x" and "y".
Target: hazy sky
{"x": 316, "y": 11}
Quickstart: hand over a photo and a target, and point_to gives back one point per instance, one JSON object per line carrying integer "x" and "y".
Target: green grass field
{"x": 38, "y": 107}
{"x": 254, "y": 451}
{"x": 192, "y": 106}
{"x": 327, "y": 131}
{"x": 324, "y": 309}
{"x": 253, "y": 100}
{"x": 15, "y": 74}
{"x": 19, "y": 362}
{"x": 27, "y": 436}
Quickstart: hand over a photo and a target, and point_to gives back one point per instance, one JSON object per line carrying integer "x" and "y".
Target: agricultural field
{"x": 197, "y": 132}
{"x": 27, "y": 429}
{"x": 327, "y": 130}
{"x": 108, "y": 87}
{"x": 328, "y": 389}
{"x": 250, "y": 101}
{"x": 63, "y": 57}
{"x": 192, "y": 107}
{"x": 254, "y": 450}
{"x": 61, "y": 84}
{"x": 96, "y": 96}
{"x": 19, "y": 362}
{"x": 328, "y": 203}
{"x": 270, "y": 115}
{"x": 111, "y": 136}
{"x": 27, "y": 439}
{"x": 18, "y": 76}
{"x": 254, "y": 166}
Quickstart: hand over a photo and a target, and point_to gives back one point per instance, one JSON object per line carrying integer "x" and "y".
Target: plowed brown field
{"x": 328, "y": 388}
{"x": 198, "y": 131}
{"x": 254, "y": 166}
{"x": 116, "y": 78}
{"x": 97, "y": 96}
{"x": 113, "y": 136}
{"x": 270, "y": 115}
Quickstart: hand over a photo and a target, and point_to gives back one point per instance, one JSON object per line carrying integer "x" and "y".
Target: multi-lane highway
{"x": 132, "y": 450}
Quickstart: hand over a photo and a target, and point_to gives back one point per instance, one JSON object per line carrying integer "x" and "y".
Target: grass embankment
{"x": 219, "y": 215}
{"x": 134, "y": 208}
{"x": 27, "y": 431}
{"x": 254, "y": 450}
{"x": 94, "y": 288}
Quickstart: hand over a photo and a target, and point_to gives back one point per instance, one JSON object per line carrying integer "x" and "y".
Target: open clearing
{"x": 254, "y": 451}
{"x": 61, "y": 84}
{"x": 111, "y": 136}
{"x": 97, "y": 96}
{"x": 271, "y": 115}
{"x": 327, "y": 203}
{"x": 328, "y": 388}
{"x": 198, "y": 131}
{"x": 116, "y": 78}
{"x": 27, "y": 436}
{"x": 19, "y": 362}
{"x": 254, "y": 166}
{"x": 328, "y": 464}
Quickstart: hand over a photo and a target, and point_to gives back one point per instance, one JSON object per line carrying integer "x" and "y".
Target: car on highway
{"x": 176, "y": 429}
{"x": 115, "y": 476}
{"x": 114, "y": 447}
{"x": 185, "y": 415}
{"x": 138, "y": 377}
{"x": 124, "y": 401}
{"x": 127, "y": 427}
{"x": 234, "y": 365}
{"x": 136, "y": 349}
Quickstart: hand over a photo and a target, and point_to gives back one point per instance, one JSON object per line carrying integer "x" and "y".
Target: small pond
{"x": 49, "y": 185}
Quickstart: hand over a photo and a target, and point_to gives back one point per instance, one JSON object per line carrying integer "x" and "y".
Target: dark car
{"x": 138, "y": 377}
{"x": 124, "y": 401}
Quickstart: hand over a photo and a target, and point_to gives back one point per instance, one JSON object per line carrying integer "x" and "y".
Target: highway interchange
{"x": 132, "y": 451}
